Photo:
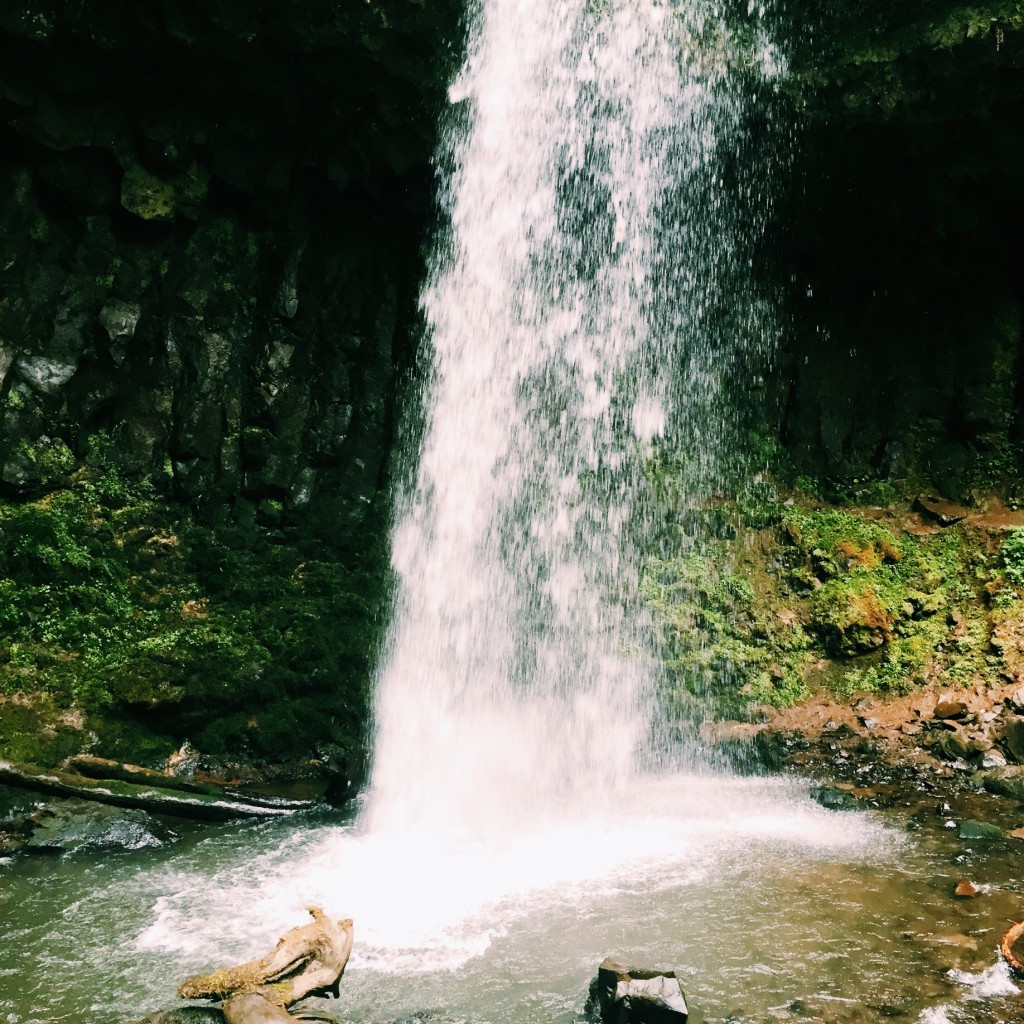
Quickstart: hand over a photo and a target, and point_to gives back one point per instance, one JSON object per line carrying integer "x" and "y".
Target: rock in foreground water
{"x": 636, "y": 995}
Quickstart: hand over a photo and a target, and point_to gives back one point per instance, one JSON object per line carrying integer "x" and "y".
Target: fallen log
{"x": 1012, "y": 947}
{"x": 156, "y": 800}
{"x": 104, "y": 768}
{"x": 307, "y": 961}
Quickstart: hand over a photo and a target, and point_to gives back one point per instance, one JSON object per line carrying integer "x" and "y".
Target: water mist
{"x": 576, "y": 313}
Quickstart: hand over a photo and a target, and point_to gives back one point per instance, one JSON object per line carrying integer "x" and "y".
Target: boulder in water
{"x": 64, "y": 826}
{"x": 636, "y": 995}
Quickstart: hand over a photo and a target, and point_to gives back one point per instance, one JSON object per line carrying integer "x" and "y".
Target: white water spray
{"x": 579, "y": 291}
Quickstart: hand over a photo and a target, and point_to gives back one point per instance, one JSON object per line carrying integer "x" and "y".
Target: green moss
{"x": 51, "y": 457}
{"x": 1013, "y": 557}
{"x": 36, "y": 731}
{"x": 834, "y": 598}
{"x": 161, "y": 627}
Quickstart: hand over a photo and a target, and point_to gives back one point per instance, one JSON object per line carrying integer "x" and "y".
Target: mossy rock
{"x": 33, "y": 729}
{"x": 852, "y": 618}
{"x": 1008, "y": 781}
{"x": 982, "y": 830}
{"x": 151, "y": 197}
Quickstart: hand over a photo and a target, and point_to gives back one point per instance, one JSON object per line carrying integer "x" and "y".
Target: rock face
{"x": 210, "y": 274}
{"x": 216, "y": 265}
{"x": 869, "y": 390}
{"x": 636, "y": 995}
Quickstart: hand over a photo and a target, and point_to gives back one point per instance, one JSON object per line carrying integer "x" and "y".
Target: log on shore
{"x": 307, "y": 961}
{"x": 104, "y": 768}
{"x": 156, "y": 800}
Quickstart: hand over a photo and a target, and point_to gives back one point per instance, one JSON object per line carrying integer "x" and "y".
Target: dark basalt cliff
{"x": 212, "y": 219}
{"x": 212, "y": 216}
{"x": 903, "y": 244}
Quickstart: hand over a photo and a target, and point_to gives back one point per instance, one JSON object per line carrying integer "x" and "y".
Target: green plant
{"x": 1013, "y": 556}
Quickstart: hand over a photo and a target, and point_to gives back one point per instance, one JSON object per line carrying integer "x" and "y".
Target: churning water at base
{"x": 770, "y": 907}
{"x": 503, "y": 929}
{"x": 575, "y": 312}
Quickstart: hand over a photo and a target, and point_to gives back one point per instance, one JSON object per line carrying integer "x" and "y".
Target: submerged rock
{"x": 635, "y": 995}
{"x": 64, "y": 826}
{"x": 184, "y": 1015}
{"x": 833, "y": 798}
{"x": 980, "y": 830}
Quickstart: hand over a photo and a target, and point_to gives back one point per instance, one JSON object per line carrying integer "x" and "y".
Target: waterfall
{"x": 574, "y": 314}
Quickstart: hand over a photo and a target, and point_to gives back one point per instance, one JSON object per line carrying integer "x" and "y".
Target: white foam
{"x": 424, "y": 901}
{"x": 991, "y": 983}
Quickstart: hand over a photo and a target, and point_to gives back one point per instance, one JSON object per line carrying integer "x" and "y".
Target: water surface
{"x": 769, "y": 906}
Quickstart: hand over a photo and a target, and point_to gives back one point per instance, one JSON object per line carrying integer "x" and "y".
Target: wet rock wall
{"x": 212, "y": 217}
{"x": 900, "y": 249}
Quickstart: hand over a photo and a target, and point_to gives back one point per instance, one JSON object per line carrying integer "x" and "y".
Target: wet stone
{"x": 965, "y": 889}
{"x": 635, "y": 995}
{"x": 64, "y": 826}
{"x": 1008, "y": 781}
{"x": 993, "y": 759}
{"x": 971, "y": 829}
{"x": 834, "y": 799}
{"x": 1013, "y": 739}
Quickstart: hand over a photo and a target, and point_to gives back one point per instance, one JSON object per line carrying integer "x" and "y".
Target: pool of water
{"x": 769, "y": 907}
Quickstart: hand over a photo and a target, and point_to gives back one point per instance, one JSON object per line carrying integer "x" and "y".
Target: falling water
{"x": 574, "y": 314}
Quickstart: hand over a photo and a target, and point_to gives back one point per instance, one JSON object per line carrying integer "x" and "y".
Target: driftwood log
{"x": 1012, "y": 948}
{"x": 307, "y": 961}
{"x": 211, "y": 805}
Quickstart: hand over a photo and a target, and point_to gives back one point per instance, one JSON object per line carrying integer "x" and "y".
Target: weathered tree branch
{"x": 1012, "y": 947}
{"x": 206, "y": 806}
{"x": 306, "y": 961}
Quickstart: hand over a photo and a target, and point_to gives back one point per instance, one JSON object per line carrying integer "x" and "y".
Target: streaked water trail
{"x": 574, "y": 315}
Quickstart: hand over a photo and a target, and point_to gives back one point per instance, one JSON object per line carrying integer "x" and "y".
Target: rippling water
{"x": 763, "y": 901}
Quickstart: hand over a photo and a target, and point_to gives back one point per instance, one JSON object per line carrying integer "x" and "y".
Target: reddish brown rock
{"x": 965, "y": 889}
{"x": 949, "y": 709}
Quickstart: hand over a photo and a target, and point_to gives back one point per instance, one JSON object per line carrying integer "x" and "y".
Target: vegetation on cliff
{"x": 207, "y": 315}
{"x": 847, "y": 600}
{"x": 129, "y": 624}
